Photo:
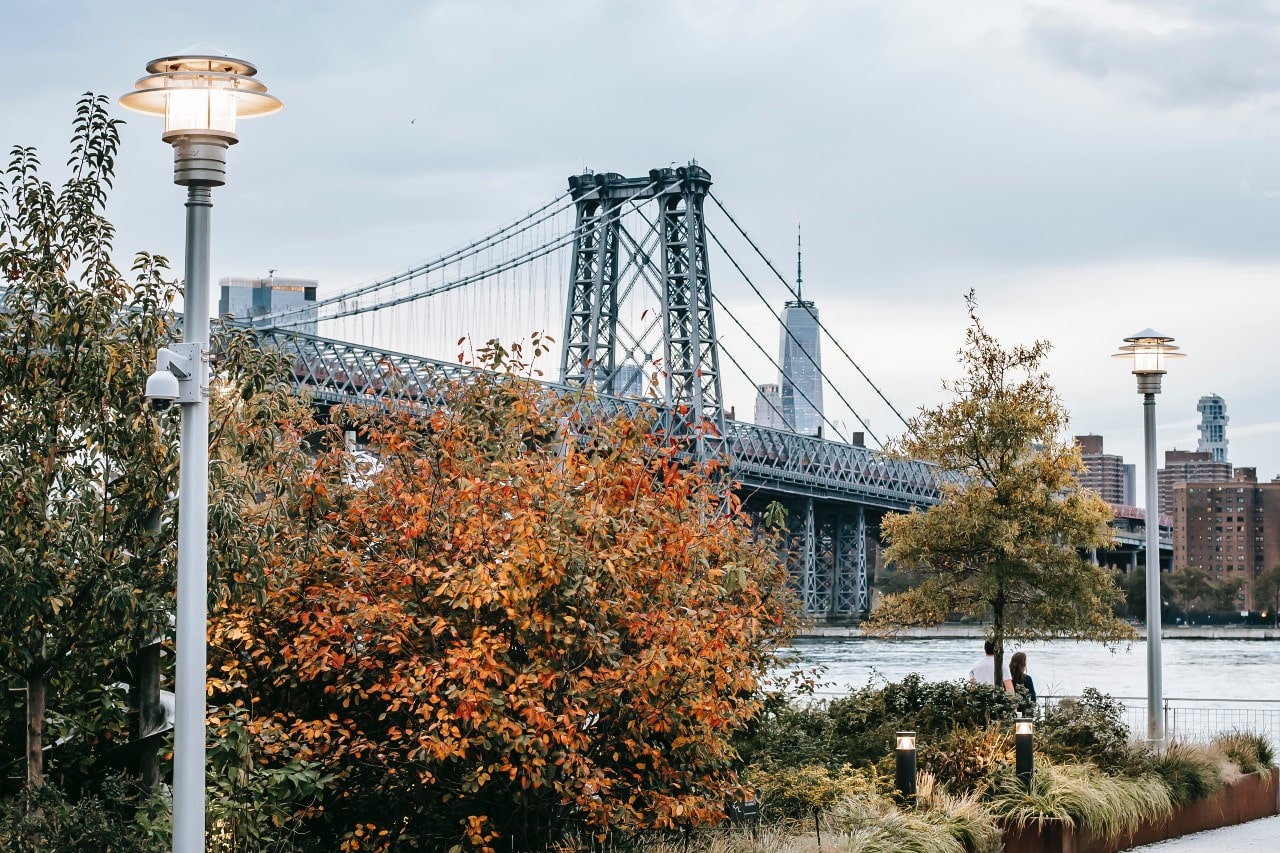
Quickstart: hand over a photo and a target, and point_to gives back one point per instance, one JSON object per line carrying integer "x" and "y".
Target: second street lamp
{"x": 200, "y": 92}
{"x": 1149, "y": 351}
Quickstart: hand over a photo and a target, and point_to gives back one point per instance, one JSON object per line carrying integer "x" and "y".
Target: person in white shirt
{"x": 984, "y": 671}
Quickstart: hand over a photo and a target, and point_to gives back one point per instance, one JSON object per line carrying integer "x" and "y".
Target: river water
{"x": 1219, "y": 670}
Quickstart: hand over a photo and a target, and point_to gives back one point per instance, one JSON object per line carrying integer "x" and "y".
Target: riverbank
{"x": 958, "y": 631}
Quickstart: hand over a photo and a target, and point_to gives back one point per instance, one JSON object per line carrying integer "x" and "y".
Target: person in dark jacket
{"x": 1023, "y": 685}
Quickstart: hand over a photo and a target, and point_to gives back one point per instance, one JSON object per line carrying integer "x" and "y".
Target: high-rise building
{"x": 800, "y": 381}
{"x": 1103, "y": 472}
{"x": 768, "y": 412}
{"x": 250, "y": 298}
{"x": 1213, "y": 427}
{"x": 628, "y": 381}
{"x": 1187, "y": 466}
{"x": 1228, "y": 527}
{"x": 801, "y": 361}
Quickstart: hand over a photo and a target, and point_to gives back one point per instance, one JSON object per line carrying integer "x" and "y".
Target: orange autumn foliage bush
{"x": 523, "y": 622}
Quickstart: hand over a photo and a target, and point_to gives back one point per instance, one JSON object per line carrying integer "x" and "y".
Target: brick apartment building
{"x": 1230, "y": 527}
{"x": 1188, "y": 466}
{"x": 1105, "y": 473}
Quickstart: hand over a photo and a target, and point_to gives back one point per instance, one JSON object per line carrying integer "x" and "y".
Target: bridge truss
{"x": 832, "y": 490}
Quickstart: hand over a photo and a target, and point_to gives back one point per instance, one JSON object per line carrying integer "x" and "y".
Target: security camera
{"x": 162, "y": 389}
{"x": 179, "y": 377}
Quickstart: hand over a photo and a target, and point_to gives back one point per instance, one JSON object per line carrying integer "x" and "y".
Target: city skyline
{"x": 1089, "y": 168}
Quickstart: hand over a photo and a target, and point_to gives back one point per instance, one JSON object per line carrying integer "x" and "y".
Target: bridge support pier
{"x": 850, "y": 560}
{"x": 828, "y": 561}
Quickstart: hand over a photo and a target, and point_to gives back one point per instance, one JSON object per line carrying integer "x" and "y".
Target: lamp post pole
{"x": 1155, "y": 666}
{"x": 200, "y": 92}
{"x": 1149, "y": 350}
{"x": 193, "y": 542}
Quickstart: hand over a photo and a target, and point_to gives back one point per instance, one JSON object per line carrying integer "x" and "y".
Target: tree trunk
{"x": 35, "y": 728}
{"x": 997, "y": 637}
{"x": 146, "y": 693}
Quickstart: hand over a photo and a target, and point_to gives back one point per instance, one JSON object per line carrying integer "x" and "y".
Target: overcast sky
{"x": 1089, "y": 167}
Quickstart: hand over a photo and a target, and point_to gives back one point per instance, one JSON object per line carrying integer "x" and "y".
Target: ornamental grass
{"x": 1083, "y": 796}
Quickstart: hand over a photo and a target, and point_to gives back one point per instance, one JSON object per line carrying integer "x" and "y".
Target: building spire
{"x": 799, "y": 277}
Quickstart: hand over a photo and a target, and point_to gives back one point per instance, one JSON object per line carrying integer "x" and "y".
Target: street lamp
{"x": 200, "y": 92}
{"x": 1149, "y": 350}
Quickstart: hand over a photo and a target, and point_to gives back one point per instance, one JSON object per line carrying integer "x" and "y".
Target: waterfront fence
{"x": 1200, "y": 720}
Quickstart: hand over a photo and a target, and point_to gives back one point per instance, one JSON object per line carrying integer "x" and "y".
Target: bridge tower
{"x": 690, "y": 357}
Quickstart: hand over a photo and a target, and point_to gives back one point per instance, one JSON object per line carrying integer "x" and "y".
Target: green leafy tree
{"x": 1195, "y": 589}
{"x": 1224, "y": 594}
{"x": 85, "y": 467}
{"x": 1188, "y": 587}
{"x": 1005, "y": 542}
{"x": 1133, "y": 584}
{"x": 1266, "y": 592}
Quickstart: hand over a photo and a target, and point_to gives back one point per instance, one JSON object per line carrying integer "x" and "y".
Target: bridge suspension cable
{"x": 310, "y": 311}
{"x": 525, "y": 223}
{"x": 825, "y": 330}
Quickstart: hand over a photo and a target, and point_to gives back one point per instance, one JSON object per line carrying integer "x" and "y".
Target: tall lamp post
{"x": 200, "y": 92}
{"x": 1149, "y": 350}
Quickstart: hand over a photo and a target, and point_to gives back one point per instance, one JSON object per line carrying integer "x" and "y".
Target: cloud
{"x": 1183, "y": 54}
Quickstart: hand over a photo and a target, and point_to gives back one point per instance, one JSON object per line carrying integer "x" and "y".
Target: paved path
{"x": 1256, "y": 836}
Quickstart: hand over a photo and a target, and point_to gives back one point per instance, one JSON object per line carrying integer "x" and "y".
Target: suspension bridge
{"x": 622, "y": 267}
{"x": 639, "y": 321}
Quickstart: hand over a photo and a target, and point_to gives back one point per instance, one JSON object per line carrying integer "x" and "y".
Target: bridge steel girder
{"x": 813, "y": 579}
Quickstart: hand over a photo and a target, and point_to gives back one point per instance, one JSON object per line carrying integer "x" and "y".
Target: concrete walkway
{"x": 1256, "y": 836}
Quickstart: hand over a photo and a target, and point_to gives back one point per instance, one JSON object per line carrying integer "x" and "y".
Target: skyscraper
{"x": 799, "y": 388}
{"x": 801, "y": 378}
{"x": 1213, "y": 427}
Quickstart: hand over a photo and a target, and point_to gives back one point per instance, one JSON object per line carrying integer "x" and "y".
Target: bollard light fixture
{"x": 905, "y": 763}
{"x": 1149, "y": 351}
{"x": 1024, "y": 750}
{"x": 200, "y": 92}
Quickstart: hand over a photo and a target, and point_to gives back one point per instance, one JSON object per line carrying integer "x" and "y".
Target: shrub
{"x": 788, "y": 735}
{"x": 965, "y": 760}
{"x": 253, "y": 801}
{"x": 1249, "y": 751}
{"x": 1192, "y": 772}
{"x": 1080, "y": 794}
{"x": 864, "y": 722}
{"x": 116, "y": 818}
{"x": 795, "y": 793}
{"x": 1090, "y": 728}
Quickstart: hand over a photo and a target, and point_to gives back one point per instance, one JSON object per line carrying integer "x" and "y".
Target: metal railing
{"x": 1200, "y": 720}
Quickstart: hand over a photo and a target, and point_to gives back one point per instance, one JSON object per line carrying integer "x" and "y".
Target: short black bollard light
{"x": 1023, "y": 745}
{"x": 905, "y": 753}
